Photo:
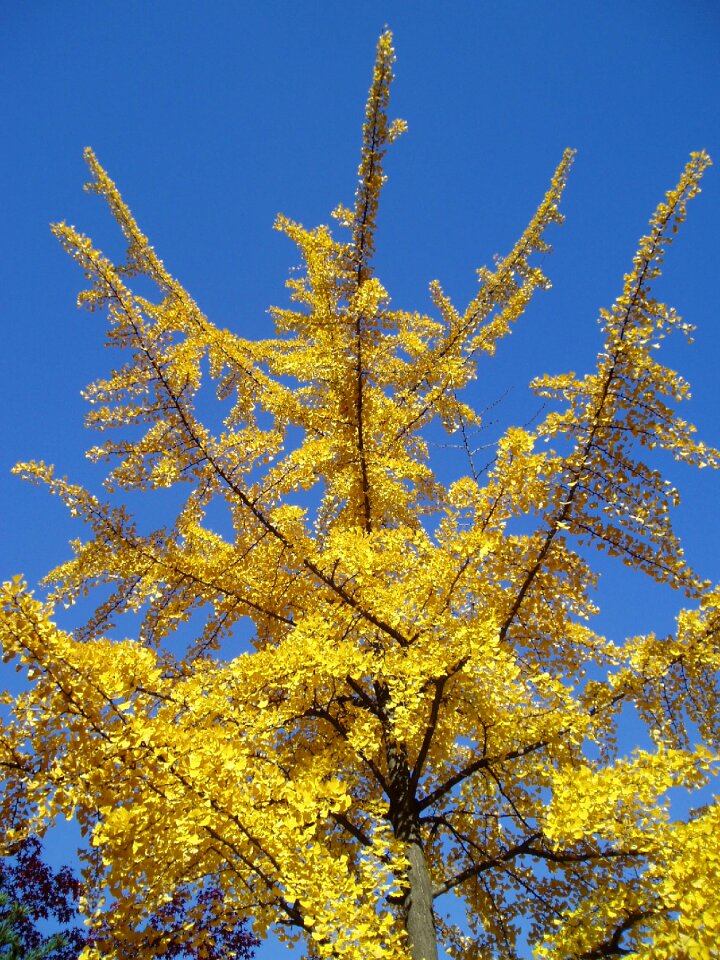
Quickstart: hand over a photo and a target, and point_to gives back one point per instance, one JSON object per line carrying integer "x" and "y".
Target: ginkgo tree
{"x": 423, "y": 707}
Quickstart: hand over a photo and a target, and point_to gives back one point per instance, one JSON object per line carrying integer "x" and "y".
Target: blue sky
{"x": 214, "y": 117}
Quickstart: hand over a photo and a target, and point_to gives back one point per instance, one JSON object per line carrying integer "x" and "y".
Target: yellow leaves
{"x": 368, "y": 298}
{"x": 377, "y": 133}
{"x": 516, "y": 442}
{"x": 687, "y": 878}
{"x": 618, "y": 502}
{"x": 624, "y": 801}
{"x": 514, "y": 280}
{"x": 312, "y": 799}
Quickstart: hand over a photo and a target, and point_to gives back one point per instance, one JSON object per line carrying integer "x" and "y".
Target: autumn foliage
{"x": 422, "y": 705}
{"x": 39, "y": 915}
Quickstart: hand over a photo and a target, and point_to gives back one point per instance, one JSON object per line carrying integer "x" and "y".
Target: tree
{"x": 31, "y": 893}
{"x": 423, "y": 706}
{"x": 12, "y": 916}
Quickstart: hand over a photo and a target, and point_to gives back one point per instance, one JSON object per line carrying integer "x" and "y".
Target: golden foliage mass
{"x": 423, "y": 673}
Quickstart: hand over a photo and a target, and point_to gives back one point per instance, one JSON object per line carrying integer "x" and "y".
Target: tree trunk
{"x": 419, "y": 922}
{"x": 417, "y": 904}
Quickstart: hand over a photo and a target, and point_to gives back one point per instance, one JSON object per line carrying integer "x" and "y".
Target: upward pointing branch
{"x": 377, "y": 134}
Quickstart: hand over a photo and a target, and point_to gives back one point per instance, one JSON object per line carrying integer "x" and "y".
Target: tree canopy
{"x": 422, "y": 706}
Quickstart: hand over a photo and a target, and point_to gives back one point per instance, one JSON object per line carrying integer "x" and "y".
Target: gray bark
{"x": 417, "y": 905}
{"x": 420, "y": 923}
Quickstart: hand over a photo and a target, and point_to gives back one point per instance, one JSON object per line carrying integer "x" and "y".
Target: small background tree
{"x": 38, "y": 907}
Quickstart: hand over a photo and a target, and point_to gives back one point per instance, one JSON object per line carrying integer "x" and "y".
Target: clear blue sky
{"x": 213, "y": 117}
